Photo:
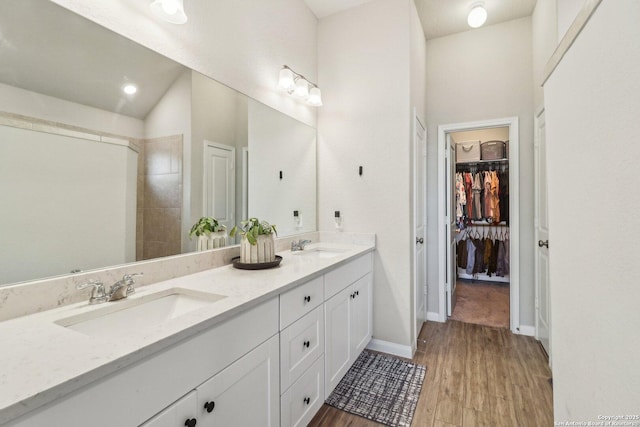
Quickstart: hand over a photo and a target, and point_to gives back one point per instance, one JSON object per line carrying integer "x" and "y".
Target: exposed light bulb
{"x": 477, "y": 16}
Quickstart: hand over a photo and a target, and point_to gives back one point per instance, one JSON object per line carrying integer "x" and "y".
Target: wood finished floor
{"x": 476, "y": 376}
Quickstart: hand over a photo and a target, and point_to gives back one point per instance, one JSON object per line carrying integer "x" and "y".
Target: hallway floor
{"x": 482, "y": 303}
{"x": 476, "y": 376}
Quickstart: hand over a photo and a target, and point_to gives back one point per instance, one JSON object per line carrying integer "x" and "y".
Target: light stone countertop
{"x": 41, "y": 361}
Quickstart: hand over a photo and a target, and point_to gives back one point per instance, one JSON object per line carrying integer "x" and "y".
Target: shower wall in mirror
{"x": 94, "y": 177}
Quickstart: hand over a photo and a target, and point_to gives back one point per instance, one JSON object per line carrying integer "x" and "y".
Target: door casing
{"x": 514, "y": 209}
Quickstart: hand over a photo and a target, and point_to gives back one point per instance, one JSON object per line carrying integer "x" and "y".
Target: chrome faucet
{"x": 121, "y": 289}
{"x": 299, "y": 245}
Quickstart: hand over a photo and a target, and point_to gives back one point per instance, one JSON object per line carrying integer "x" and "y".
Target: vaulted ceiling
{"x": 440, "y": 17}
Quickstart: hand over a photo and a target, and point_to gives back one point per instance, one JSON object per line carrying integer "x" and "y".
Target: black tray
{"x": 255, "y": 266}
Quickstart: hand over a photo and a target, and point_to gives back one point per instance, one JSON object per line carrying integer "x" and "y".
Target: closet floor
{"x": 482, "y": 303}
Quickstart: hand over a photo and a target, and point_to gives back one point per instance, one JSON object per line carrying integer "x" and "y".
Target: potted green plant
{"x": 210, "y": 233}
{"x": 257, "y": 243}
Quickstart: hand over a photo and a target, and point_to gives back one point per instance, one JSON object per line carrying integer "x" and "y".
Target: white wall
{"x": 231, "y": 41}
{"x": 567, "y": 10}
{"x": 280, "y": 143}
{"x": 67, "y": 213}
{"x": 545, "y": 41}
{"x": 364, "y": 71}
{"x": 478, "y": 75}
{"x": 33, "y": 104}
{"x": 591, "y": 112}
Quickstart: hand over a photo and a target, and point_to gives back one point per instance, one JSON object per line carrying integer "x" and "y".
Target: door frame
{"x": 539, "y": 117}
{"x": 205, "y": 196}
{"x": 514, "y": 210}
{"x": 419, "y": 290}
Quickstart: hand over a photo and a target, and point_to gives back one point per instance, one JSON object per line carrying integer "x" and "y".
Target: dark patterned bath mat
{"x": 380, "y": 388}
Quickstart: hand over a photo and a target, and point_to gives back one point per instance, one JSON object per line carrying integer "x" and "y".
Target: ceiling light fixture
{"x": 169, "y": 10}
{"x": 477, "y": 16}
{"x": 296, "y": 84}
{"x": 130, "y": 89}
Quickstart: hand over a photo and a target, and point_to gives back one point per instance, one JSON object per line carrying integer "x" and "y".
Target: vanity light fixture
{"x": 297, "y": 85}
{"x": 477, "y": 16}
{"x": 169, "y": 10}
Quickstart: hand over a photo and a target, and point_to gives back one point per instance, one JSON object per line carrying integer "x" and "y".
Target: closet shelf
{"x": 483, "y": 162}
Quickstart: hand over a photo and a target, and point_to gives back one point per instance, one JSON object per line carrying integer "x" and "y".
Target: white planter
{"x": 212, "y": 241}
{"x": 262, "y": 251}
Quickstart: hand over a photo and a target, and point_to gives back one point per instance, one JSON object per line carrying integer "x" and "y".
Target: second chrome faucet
{"x": 121, "y": 289}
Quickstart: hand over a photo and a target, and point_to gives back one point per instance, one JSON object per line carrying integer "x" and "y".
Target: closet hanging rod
{"x": 501, "y": 224}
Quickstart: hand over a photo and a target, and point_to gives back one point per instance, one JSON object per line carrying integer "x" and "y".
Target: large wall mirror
{"x": 91, "y": 176}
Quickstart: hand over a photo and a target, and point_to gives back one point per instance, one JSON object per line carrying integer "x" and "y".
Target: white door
{"x": 450, "y": 234}
{"x": 420, "y": 224}
{"x": 219, "y": 183}
{"x": 543, "y": 310}
{"x": 245, "y": 394}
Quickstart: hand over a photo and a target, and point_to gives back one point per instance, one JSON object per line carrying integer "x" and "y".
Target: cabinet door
{"x": 180, "y": 414}
{"x": 245, "y": 394}
{"x": 361, "y": 303}
{"x": 337, "y": 338}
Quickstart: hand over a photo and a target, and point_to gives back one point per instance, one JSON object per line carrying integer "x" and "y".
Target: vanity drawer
{"x": 305, "y": 397}
{"x": 338, "y": 279}
{"x": 300, "y": 345}
{"x": 299, "y": 301}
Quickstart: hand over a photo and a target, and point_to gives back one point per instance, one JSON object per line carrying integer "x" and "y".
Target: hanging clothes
{"x": 477, "y": 213}
{"x": 461, "y": 254}
{"x": 471, "y": 256}
{"x": 468, "y": 185}
{"x": 478, "y": 266}
{"x": 461, "y": 197}
{"x": 503, "y": 177}
{"x": 487, "y": 198}
{"x": 494, "y": 196}
{"x": 492, "y": 267}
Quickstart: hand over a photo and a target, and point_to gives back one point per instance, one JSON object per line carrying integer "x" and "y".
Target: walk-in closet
{"x": 481, "y": 194}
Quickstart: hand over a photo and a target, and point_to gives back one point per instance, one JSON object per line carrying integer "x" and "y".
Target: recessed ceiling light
{"x": 130, "y": 89}
{"x": 477, "y": 16}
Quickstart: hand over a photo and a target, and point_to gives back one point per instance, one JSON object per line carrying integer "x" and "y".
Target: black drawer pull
{"x": 307, "y": 400}
{"x": 209, "y": 406}
{"x": 191, "y": 422}
{"x": 306, "y": 344}
{"x": 307, "y": 298}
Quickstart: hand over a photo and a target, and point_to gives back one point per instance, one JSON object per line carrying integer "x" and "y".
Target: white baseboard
{"x": 528, "y": 330}
{"x": 391, "y": 348}
{"x": 433, "y": 316}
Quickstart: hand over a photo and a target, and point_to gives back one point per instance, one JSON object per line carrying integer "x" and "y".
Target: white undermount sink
{"x": 125, "y": 317}
{"x": 320, "y": 252}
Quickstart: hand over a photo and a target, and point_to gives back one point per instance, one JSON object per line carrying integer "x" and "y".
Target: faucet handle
{"x": 128, "y": 277}
{"x": 128, "y": 280}
{"x": 98, "y": 293}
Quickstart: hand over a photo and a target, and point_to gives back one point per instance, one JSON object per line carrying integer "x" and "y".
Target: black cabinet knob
{"x": 307, "y": 400}
{"x": 353, "y": 296}
{"x": 306, "y": 344}
{"x": 307, "y": 298}
{"x": 209, "y": 406}
{"x": 357, "y": 293}
{"x": 191, "y": 422}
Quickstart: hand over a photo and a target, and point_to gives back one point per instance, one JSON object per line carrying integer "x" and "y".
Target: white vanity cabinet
{"x": 181, "y": 413}
{"x": 234, "y": 355}
{"x": 348, "y": 319}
